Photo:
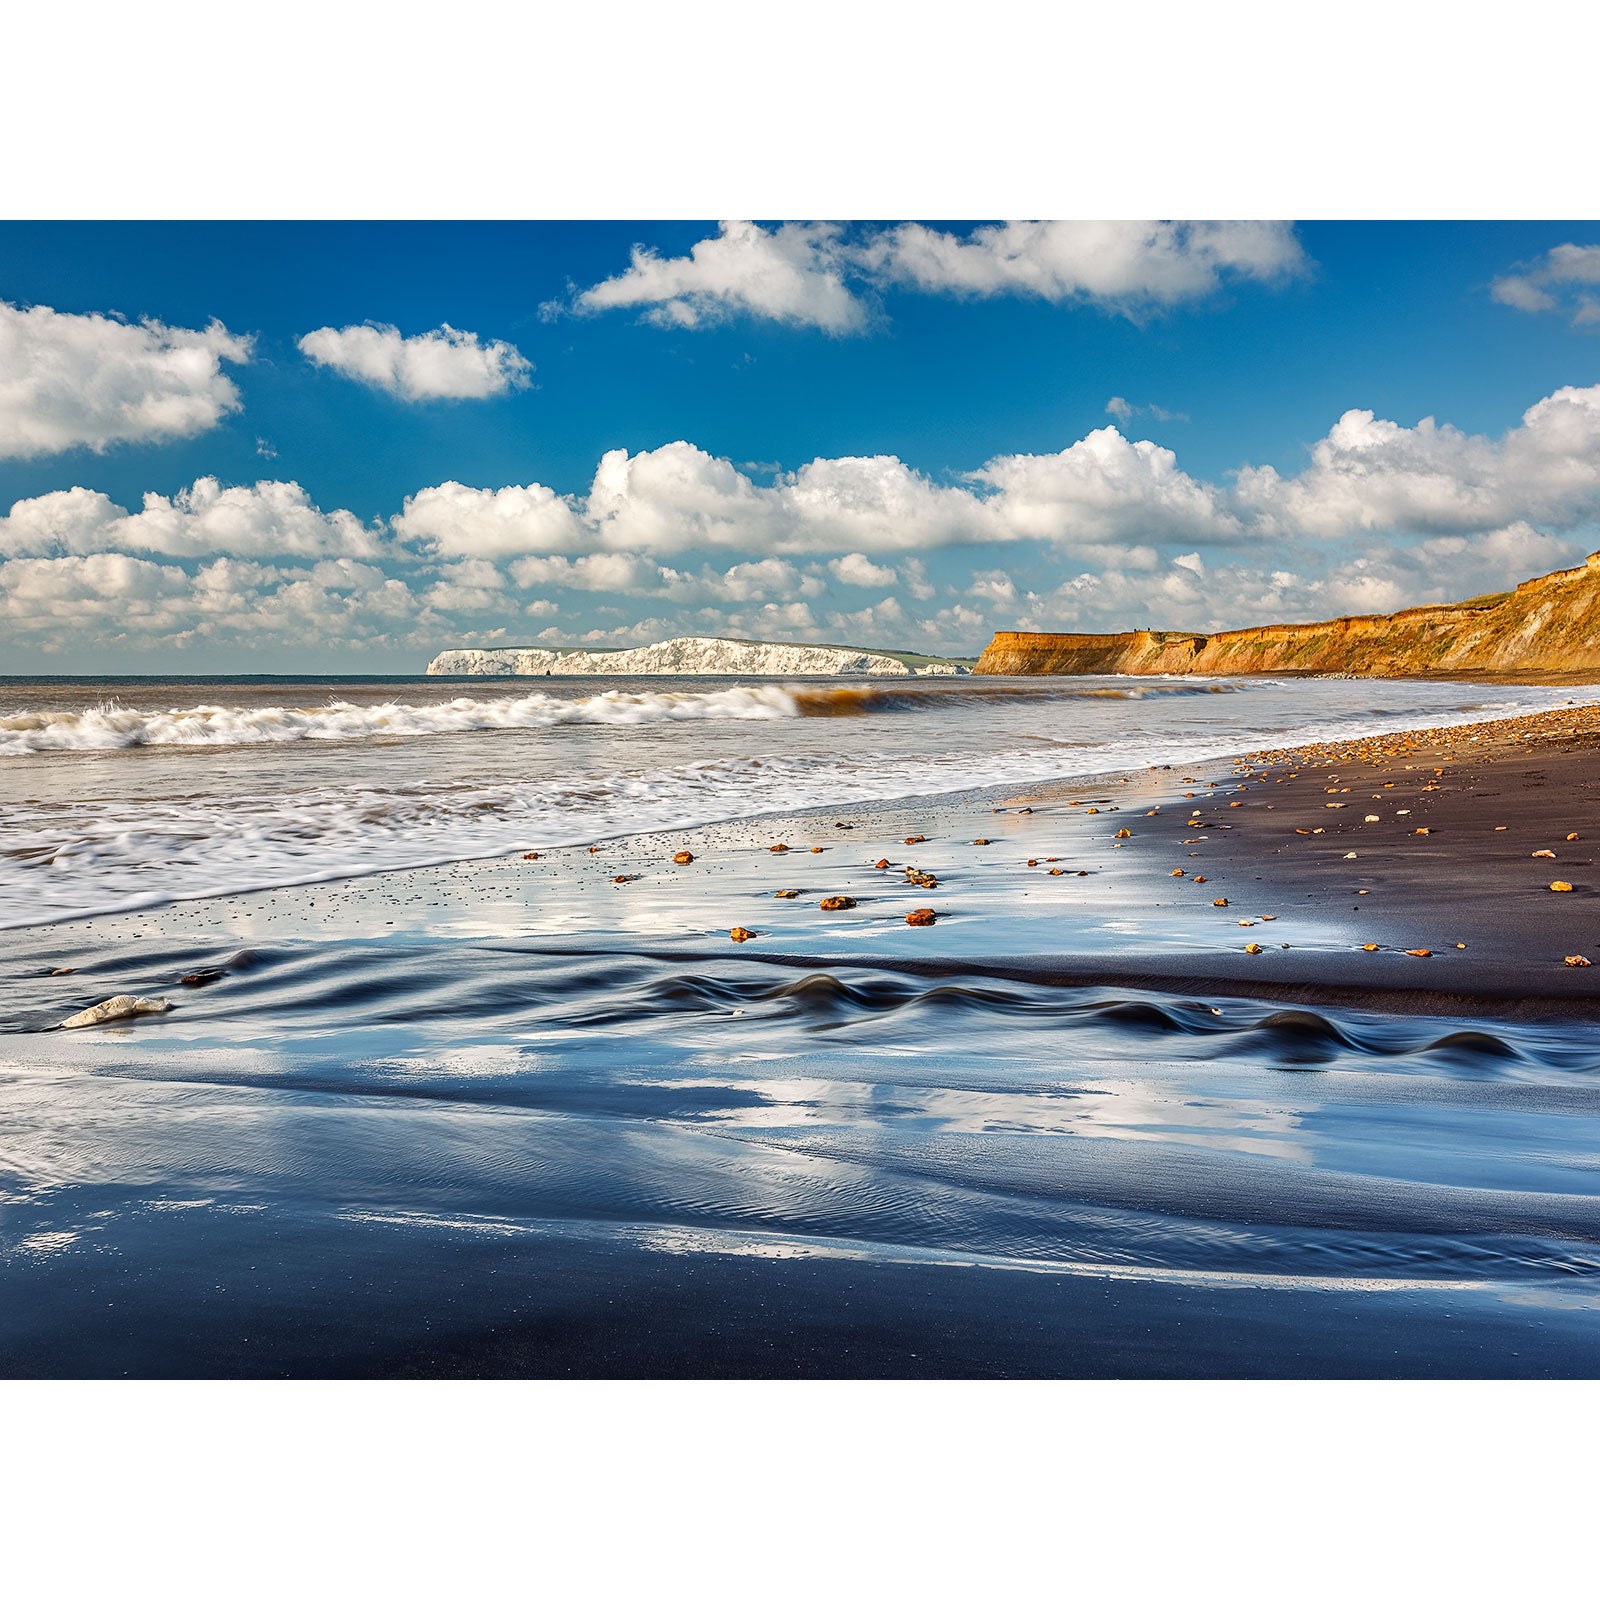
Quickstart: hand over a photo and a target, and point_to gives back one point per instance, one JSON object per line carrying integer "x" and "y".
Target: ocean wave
{"x": 860, "y": 699}
{"x": 112, "y": 726}
{"x": 115, "y": 727}
{"x": 509, "y": 990}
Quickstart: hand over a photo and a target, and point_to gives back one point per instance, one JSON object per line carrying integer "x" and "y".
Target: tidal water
{"x": 381, "y": 1136}
{"x": 123, "y": 793}
{"x": 500, "y": 1161}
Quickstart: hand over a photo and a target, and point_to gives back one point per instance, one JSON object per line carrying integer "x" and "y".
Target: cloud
{"x": 1328, "y": 581}
{"x": 65, "y": 603}
{"x": 618, "y": 573}
{"x": 792, "y": 275}
{"x": 679, "y": 497}
{"x": 1107, "y": 487}
{"x": 1369, "y": 473}
{"x": 607, "y": 572}
{"x": 1559, "y": 280}
{"x": 1125, "y": 266}
{"x": 915, "y": 573}
{"x": 1125, "y": 411}
{"x": 996, "y": 588}
{"x": 856, "y": 569}
{"x": 456, "y": 520}
{"x": 269, "y": 518}
{"x": 814, "y": 274}
{"x": 469, "y": 586}
{"x": 1109, "y": 532}
{"x": 1105, "y": 498}
{"x": 446, "y": 364}
{"x": 69, "y": 381}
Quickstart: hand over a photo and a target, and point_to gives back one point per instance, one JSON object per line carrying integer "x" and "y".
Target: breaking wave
{"x": 114, "y": 727}
{"x": 854, "y": 700}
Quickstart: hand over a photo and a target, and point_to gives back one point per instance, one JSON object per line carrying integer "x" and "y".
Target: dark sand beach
{"x": 544, "y": 1117}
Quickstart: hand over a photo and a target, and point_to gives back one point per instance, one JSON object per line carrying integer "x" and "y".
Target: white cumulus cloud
{"x": 1371, "y": 473}
{"x": 793, "y": 274}
{"x": 262, "y": 519}
{"x": 813, "y": 274}
{"x": 69, "y": 381}
{"x": 1107, "y": 487}
{"x": 1124, "y": 265}
{"x": 864, "y": 574}
{"x": 515, "y": 520}
{"x": 1562, "y": 279}
{"x": 444, "y": 364}
{"x": 1109, "y": 532}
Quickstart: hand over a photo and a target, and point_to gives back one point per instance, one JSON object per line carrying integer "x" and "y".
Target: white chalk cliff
{"x": 709, "y": 657}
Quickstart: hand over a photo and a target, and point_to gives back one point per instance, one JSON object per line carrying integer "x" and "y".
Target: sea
{"x": 128, "y": 792}
{"x": 409, "y": 1121}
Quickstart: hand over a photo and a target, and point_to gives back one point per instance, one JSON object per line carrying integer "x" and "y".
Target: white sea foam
{"x": 115, "y": 727}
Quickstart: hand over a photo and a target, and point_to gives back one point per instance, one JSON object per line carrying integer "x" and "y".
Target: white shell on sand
{"x": 116, "y": 1008}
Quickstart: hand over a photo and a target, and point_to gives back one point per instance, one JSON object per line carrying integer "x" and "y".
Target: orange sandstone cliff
{"x": 1546, "y": 625}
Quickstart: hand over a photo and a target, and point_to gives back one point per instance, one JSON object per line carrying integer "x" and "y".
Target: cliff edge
{"x": 1549, "y": 624}
{"x": 691, "y": 658}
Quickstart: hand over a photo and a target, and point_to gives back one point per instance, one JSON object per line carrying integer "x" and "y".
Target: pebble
{"x": 922, "y": 917}
{"x": 116, "y": 1008}
{"x": 838, "y": 902}
{"x": 739, "y": 935}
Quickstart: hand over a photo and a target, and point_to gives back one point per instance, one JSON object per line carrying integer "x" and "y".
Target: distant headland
{"x": 1546, "y": 627}
{"x": 692, "y": 657}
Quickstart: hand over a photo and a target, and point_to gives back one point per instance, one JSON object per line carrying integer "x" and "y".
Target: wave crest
{"x": 114, "y": 727}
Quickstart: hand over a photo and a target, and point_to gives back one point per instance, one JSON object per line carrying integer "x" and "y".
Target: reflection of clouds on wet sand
{"x": 1110, "y": 1109}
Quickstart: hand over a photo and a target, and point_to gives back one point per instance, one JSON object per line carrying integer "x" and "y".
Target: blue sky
{"x": 931, "y": 353}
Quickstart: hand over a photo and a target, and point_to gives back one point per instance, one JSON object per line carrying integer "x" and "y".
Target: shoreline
{"x": 975, "y": 796}
{"x": 1134, "y": 913}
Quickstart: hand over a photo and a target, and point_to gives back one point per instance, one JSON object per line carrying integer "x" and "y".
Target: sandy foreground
{"x": 1321, "y": 875}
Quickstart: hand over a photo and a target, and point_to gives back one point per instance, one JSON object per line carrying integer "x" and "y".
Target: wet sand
{"x": 518, "y": 1117}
